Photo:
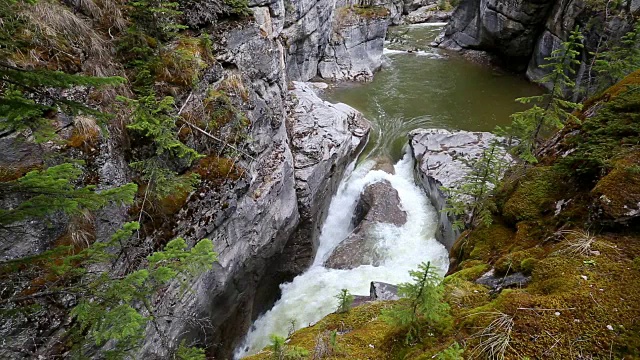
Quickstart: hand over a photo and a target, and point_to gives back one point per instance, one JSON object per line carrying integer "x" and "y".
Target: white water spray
{"x": 311, "y": 295}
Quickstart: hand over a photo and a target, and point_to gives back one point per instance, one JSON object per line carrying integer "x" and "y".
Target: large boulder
{"x": 442, "y": 159}
{"x": 379, "y": 203}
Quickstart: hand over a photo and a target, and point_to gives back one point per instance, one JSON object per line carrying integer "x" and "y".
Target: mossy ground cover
{"x": 361, "y": 334}
{"x": 583, "y": 299}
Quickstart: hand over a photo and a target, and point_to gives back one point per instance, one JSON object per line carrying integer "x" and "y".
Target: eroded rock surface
{"x": 325, "y": 138}
{"x": 441, "y": 160}
{"x": 524, "y": 32}
{"x": 264, "y": 234}
{"x": 429, "y": 13}
{"x": 379, "y": 204}
{"x": 355, "y": 48}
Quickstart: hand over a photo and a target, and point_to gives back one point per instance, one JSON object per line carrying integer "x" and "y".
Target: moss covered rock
{"x": 617, "y": 194}
{"x": 534, "y": 196}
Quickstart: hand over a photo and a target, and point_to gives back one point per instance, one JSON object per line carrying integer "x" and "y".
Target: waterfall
{"x": 311, "y": 295}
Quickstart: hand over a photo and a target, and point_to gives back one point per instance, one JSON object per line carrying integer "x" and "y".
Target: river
{"x": 427, "y": 88}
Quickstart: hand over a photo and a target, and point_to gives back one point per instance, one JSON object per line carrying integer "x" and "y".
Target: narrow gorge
{"x": 197, "y": 179}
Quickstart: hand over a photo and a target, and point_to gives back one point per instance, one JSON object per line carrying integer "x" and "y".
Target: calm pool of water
{"x": 430, "y": 88}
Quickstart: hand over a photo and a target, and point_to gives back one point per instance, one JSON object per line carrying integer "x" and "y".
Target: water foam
{"x": 425, "y": 24}
{"x": 311, "y": 295}
{"x": 430, "y": 54}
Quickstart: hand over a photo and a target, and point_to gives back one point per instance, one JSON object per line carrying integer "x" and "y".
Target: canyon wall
{"x": 523, "y": 32}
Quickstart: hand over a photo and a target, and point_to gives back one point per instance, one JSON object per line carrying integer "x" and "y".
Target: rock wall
{"x": 442, "y": 159}
{"x": 325, "y": 139}
{"x": 265, "y": 234}
{"x": 263, "y": 225}
{"x": 325, "y": 38}
{"x": 524, "y": 32}
{"x": 355, "y": 48}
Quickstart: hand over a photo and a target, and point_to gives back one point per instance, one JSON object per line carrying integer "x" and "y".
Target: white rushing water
{"x": 311, "y": 295}
{"x": 431, "y": 54}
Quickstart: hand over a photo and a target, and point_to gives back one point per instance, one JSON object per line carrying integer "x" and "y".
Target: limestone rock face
{"x": 429, "y": 13}
{"x": 325, "y": 139}
{"x": 524, "y": 32}
{"x": 354, "y": 51}
{"x": 508, "y": 27}
{"x": 378, "y": 204}
{"x": 326, "y": 38}
{"x": 264, "y": 233}
{"x": 441, "y": 160}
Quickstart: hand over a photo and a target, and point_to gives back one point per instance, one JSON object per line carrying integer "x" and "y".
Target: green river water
{"x": 430, "y": 88}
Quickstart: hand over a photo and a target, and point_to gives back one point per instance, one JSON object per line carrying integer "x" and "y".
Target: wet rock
{"x": 413, "y": 5}
{"x": 378, "y": 291}
{"x": 508, "y": 28}
{"x": 429, "y": 13}
{"x": 383, "y": 291}
{"x": 441, "y": 160}
{"x": 498, "y": 283}
{"x": 378, "y": 204}
{"x": 523, "y": 32}
{"x": 385, "y": 164}
{"x": 325, "y": 139}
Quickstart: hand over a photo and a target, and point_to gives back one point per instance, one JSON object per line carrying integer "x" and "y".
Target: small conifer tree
{"x": 472, "y": 203}
{"x": 345, "y": 299}
{"x": 189, "y": 352}
{"x": 423, "y": 304}
{"x": 110, "y": 307}
{"x": 619, "y": 61}
{"x": 550, "y": 110}
{"x": 281, "y": 351}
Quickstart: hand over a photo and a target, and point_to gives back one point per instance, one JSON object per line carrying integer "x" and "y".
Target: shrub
{"x": 345, "y": 300}
{"x": 424, "y": 305}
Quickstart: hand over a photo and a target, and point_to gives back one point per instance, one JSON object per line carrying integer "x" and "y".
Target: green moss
{"x": 555, "y": 273}
{"x": 527, "y": 265}
{"x": 618, "y": 192}
{"x": 370, "y": 12}
{"x": 463, "y": 294}
{"x": 470, "y": 273}
{"x": 610, "y": 127}
{"x": 361, "y": 334}
{"x": 487, "y": 243}
{"x": 512, "y": 262}
{"x": 534, "y": 196}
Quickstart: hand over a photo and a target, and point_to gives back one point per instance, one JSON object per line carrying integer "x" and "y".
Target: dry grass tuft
{"x": 81, "y": 229}
{"x": 55, "y": 27}
{"x": 86, "y": 132}
{"x": 495, "y": 337}
{"x": 578, "y": 242}
{"x": 234, "y": 86}
{"x": 106, "y": 12}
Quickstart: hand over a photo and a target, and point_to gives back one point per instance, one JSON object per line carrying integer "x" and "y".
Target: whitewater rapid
{"x": 311, "y": 295}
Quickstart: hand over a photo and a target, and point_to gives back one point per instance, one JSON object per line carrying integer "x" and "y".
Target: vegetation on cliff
{"x": 74, "y": 77}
